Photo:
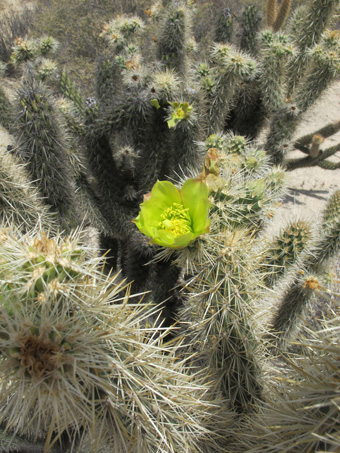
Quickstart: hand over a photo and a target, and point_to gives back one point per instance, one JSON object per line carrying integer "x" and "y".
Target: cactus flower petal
{"x": 174, "y": 218}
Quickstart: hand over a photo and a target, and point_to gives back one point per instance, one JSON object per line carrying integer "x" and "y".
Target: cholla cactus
{"x": 25, "y": 49}
{"x": 65, "y": 329}
{"x": 276, "y": 18}
{"x": 42, "y": 146}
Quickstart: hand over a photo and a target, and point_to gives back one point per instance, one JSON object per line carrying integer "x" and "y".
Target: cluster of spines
{"x": 284, "y": 250}
{"x": 70, "y": 91}
{"x": 275, "y": 51}
{"x": 66, "y": 327}
{"x": 323, "y": 68}
{"x": 231, "y": 68}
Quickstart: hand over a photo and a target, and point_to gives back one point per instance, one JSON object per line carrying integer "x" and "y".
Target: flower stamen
{"x": 176, "y": 219}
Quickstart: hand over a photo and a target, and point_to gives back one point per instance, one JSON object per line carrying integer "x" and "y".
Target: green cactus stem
{"x": 70, "y": 91}
{"x": 231, "y": 69}
{"x": 275, "y": 52}
{"x": 42, "y": 145}
{"x": 173, "y": 38}
{"x": 224, "y": 29}
{"x": 284, "y": 250}
{"x": 251, "y": 21}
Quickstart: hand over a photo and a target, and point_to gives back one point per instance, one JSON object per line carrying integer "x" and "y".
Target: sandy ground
{"x": 308, "y": 189}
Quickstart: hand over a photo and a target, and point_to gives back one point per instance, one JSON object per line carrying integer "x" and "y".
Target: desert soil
{"x": 308, "y": 189}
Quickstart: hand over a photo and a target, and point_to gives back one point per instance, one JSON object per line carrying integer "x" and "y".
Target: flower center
{"x": 176, "y": 219}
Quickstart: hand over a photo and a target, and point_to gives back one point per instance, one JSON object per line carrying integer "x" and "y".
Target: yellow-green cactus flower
{"x": 180, "y": 112}
{"x": 173, "y": 218}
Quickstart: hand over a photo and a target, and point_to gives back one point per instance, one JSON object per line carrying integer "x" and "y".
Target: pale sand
{"x": 309, "y": 188}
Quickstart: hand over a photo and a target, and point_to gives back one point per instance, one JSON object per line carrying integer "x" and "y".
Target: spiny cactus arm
{"x": 108, "y": 76}
{"x": 311, "y": 22}
{"x": 284, "y": 250}
{"x": 332, "y": 210}
{"x": 275, "y": 50}
{"x": 230, "y": 68}
{"x": 324, "y": 68}
{"x": 71, "y": 92}
{"x": 271, "y": 6}
{"x": 173, "y": 37}
{"x": 306, "y": 281}
{"x": 282, "y": 15}
{"x": 21, "y": 203}
{"x": 283, "y": 126}
{"x": 42, "y": 145}
{"x": 326, "y": 131}
{"x": 251, "y": 21}
{"x": 319, "y": 14}
{"x": 328, "y": 245}
{"x": 224, "y": 29}
{"x": 292, "y": 308}
{"x": 102, "y": 165}
{"x": 216, "y": 316}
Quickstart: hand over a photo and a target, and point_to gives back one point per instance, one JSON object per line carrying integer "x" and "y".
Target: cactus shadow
{"x": 293, "y": 195}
